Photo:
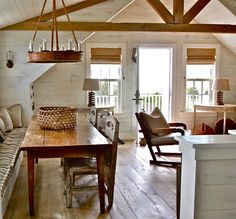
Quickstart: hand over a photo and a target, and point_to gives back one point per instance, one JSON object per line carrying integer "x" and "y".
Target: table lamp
{"x": 91, "y": 85}
{"x": 220, "y": 85}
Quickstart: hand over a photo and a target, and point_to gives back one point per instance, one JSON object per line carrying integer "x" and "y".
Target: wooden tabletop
{"x": 216, "y": 108}
{"x": 83, "y": 135}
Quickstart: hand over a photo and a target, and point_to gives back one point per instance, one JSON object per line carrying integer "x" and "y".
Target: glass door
{"x": 154, "y": 79}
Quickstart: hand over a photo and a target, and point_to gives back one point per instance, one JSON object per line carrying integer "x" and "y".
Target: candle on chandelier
{"x": 62, "y": 47}
{"x": 70, "y": 44}
{"x": 40, "y": 47}
{"x": 30, "y": 46}
{"x": 79, "y": 46}
{"x": 44, "y": 44}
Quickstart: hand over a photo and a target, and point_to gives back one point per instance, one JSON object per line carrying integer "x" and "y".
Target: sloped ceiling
{"x": 137, "y": 11}
{"x": 230, "y": 4}
{"x": 229, "y": 40}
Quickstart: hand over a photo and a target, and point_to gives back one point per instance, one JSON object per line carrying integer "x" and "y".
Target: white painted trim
{"x": 217, "y": 63}
{"x": 123, "y": 66}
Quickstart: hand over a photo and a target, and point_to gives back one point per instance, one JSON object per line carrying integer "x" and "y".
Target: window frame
{"x": 113, "y": 80}
{"x": 216, "y": 72}
{"x": 201, "y": 92}
{"x": 122, "y": 80}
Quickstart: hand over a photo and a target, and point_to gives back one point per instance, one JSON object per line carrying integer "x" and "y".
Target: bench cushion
{"x": 9, "y": 152}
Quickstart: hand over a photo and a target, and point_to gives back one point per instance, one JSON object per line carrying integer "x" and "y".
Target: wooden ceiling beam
{"x": 70, "y": 9}
{"x": 140, "y": 27}
{"x": 178, "y": 11}
{"x": 194, "y": 10}
{"x": 61, "y": 12}
{"x": 164, "y": 13}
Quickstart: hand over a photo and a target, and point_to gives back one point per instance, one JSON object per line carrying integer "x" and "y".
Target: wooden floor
{"x": 142, "y": 191}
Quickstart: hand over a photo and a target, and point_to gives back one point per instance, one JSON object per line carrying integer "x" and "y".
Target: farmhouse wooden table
{"x": 82, "y": 140}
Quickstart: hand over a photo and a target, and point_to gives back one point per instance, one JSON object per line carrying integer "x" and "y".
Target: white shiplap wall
{"x": 62, "y": 84}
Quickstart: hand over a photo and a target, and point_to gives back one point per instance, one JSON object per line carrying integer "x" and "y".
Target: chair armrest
{"x": 178, "y": 124}
{"x": 167, "y": 130}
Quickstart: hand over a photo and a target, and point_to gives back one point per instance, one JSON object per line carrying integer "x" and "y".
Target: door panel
{"x": 153, "y": 78}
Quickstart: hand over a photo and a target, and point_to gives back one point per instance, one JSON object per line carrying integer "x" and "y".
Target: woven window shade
{"x": 201, "y": 56}
{"x": 106, "y": 55}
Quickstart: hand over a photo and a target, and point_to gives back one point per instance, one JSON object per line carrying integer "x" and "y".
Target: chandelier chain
{"x": 76, "y": 42}
{"x": 37, "y": 26}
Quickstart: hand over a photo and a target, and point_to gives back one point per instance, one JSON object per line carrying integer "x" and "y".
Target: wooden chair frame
{"x": 157, "y": 146}
{"x": 88, "y": 166}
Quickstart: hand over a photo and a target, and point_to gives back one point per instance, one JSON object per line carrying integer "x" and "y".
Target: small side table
{"x": 215, "y": 108}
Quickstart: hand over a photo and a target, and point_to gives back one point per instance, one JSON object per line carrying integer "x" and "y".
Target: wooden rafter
{"x": 178, "y": 16}
{"x": 178, "y": 11}
{"x": 60, "y": 12}
{"x": 195, "y": 10}
{"x": 164, "y": 13}
{"x": 178, "y": 22}
{"x": 142, "y": 27}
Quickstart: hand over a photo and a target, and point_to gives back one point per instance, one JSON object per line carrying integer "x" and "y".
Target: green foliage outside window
{"x": 192, "y": 91}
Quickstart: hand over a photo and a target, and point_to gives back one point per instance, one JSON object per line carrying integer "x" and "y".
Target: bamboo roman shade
{"x": 201, "y": 56}
{"x": 106, "y": 55}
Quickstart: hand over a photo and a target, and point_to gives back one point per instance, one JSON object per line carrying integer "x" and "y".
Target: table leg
{"x": 100, "y": 165}
{"x": 194, "y": 117}
{"x": 31, "y": 161}
{"x": 224, "y": 123}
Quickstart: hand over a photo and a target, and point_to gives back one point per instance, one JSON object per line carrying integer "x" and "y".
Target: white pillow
{"x": 15, "y": 114}
{"x": 6, "y": 119}
{"x": 2, "y": 126}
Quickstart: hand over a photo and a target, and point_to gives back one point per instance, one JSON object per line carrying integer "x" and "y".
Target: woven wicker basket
{"x": 57, "y": 117}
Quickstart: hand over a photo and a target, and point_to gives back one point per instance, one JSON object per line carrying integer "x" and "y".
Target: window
{"x": 106, "y": 66}
{"x": 109, "y": 76}
{"x": 200, "y": 72}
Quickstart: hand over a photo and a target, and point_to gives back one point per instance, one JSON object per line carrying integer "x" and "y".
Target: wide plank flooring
{"x": 142, "y": 191}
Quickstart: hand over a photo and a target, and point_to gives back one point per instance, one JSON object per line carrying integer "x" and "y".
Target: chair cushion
{"x": 6, "y": 119}
{"x": 164, "y": 140}
{"x": 154, "y": 121}
{"x": 80, "y": 164}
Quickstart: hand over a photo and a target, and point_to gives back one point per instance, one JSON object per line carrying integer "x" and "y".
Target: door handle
{"x": 138, "y": 99}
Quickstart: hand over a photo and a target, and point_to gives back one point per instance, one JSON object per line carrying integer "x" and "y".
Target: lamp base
{"x": 91, "y": 99}
{"x": 219, "y": 98}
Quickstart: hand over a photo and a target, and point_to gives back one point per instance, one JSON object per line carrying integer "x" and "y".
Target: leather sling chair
{"x": 157, "y": 132}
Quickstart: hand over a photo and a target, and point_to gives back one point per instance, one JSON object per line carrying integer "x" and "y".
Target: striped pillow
{"x": 1, "y": 136}
{"x": 6, "y": 119}
{"x": 2, "y": 125}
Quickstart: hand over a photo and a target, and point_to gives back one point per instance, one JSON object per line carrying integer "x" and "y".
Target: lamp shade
{"x": 91, "y": 84}
{"x": 220, "y": 84}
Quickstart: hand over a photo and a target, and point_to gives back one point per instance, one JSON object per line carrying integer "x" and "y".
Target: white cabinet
{"x": 208, "y": 181}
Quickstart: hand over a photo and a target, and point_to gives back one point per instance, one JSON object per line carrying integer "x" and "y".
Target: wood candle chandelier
{"x": 59, "y": 55}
